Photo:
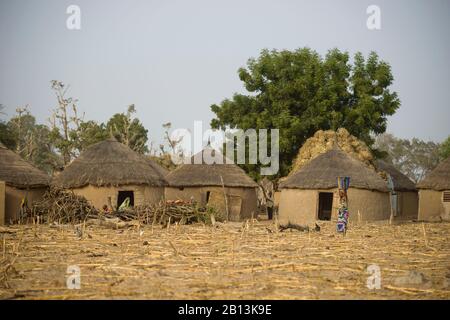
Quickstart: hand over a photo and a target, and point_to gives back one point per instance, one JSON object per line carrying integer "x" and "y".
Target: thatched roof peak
{"x": 438, "y": 179}
{"x": 110, "y": 163}
{"x": 209, "y": 156}
{"x": 322, "y": 172}
{"x": 203, "y": 172}
{"x": 17, "y": 172}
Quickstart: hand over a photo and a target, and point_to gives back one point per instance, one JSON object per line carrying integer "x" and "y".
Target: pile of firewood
{"x": 62, "y": 207}
{"x": 166, "y": 212}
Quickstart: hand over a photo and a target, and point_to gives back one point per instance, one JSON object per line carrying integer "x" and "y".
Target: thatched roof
{"x": 164, "y": 162}
{"x": 322, "y": 173}
{"x": 401, "y": 181}
{"x": 110, "y": 163}
{"x": 19, "y": 173}
{"x": 438, "y": 179}
{"x": 203, "y": 174}
{"x": 155, "y": 166}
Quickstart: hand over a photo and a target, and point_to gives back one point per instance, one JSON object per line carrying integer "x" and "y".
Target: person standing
{"x": 343, "y": 213}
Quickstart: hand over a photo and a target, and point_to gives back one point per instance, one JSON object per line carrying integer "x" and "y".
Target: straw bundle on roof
{"x": 323, "y": 141}
{"x": 323, "y": 170}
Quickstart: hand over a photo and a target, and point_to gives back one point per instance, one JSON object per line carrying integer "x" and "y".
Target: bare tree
{"x": 18, "y": 124}
{"x": 22, "y": 126}
{"x": 64, "y": 120}
{"x": 173, "y": 143}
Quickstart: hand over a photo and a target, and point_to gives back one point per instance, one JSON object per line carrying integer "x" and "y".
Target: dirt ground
{"x": 230, "y": 261}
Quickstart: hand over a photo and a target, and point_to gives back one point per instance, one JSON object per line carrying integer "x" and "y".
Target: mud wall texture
{"x": 13, "y": 201}
{"x": 242, "y": 202}
{"x": 300, "y": 206}
{"x": 98, "y": 196}
{"x": 432, "y": 207}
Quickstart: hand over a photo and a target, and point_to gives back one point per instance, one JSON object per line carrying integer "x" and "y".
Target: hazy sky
{"x": 173, "y": 59}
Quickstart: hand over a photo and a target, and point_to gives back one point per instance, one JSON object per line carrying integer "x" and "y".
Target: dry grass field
{"x": 229, "y": 261}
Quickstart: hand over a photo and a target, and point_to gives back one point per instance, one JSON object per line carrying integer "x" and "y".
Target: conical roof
{"x": 438, "y": 179}
{"x": 18, "y": 172}
{"x": 322, "y": 173}
{"x": 110, "y": 163}
{"x": 200, "y": 173}
{"x": 401, "y": 181}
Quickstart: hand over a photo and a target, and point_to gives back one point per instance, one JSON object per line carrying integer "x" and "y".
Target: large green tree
{"x": 300, "y": 92}
{"x": 88, "y": 133}
{"x": 6, "y": 136}
{"x": 444, "y": 149}
{"x": 128, "y": 130}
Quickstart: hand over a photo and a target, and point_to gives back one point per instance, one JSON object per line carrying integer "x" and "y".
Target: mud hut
{"x": 310, "y": 194}
{"x": 434, "y": 194}
{"x": 108, "y": 172}
{"x": 221, "y": 185}
{"x": 20, "y": 183}
{"x": 404, "y": 196}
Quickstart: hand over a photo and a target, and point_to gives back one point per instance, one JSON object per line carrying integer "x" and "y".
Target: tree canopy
{"x": 444, "y": 150}
{"x": 415, "y": 157}
{"x": 128, "y": 130}
{"x": 67, "y": 134}
{"x": 30, "y": 140}
{"x": 300, "y": 92}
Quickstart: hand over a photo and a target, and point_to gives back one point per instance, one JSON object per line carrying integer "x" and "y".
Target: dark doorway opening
{"x": 123, "y": 195}
{"x": 208, "y": 193}
{"x": 325, "y": 205}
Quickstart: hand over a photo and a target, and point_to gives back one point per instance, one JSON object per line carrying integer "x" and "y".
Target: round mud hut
{"x": 310, "y": 193}
{"x": 216, "y": 183}
{"x": 20, "y": 184}
{"x": 434, "y": 194}
{"x": 109, "y": 172}
{"x": 404, "y": 196}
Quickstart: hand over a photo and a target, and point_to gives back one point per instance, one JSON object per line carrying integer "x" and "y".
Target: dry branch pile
{"x": 59, "y": 206}
{"x": 183, "y": 212}
{"x": 323, "y": 141}
{"x": 62, "y": 207}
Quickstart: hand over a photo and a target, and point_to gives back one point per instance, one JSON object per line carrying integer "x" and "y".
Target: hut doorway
{"x": 123, "y": 195}
{"x": 325, "y": 205}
